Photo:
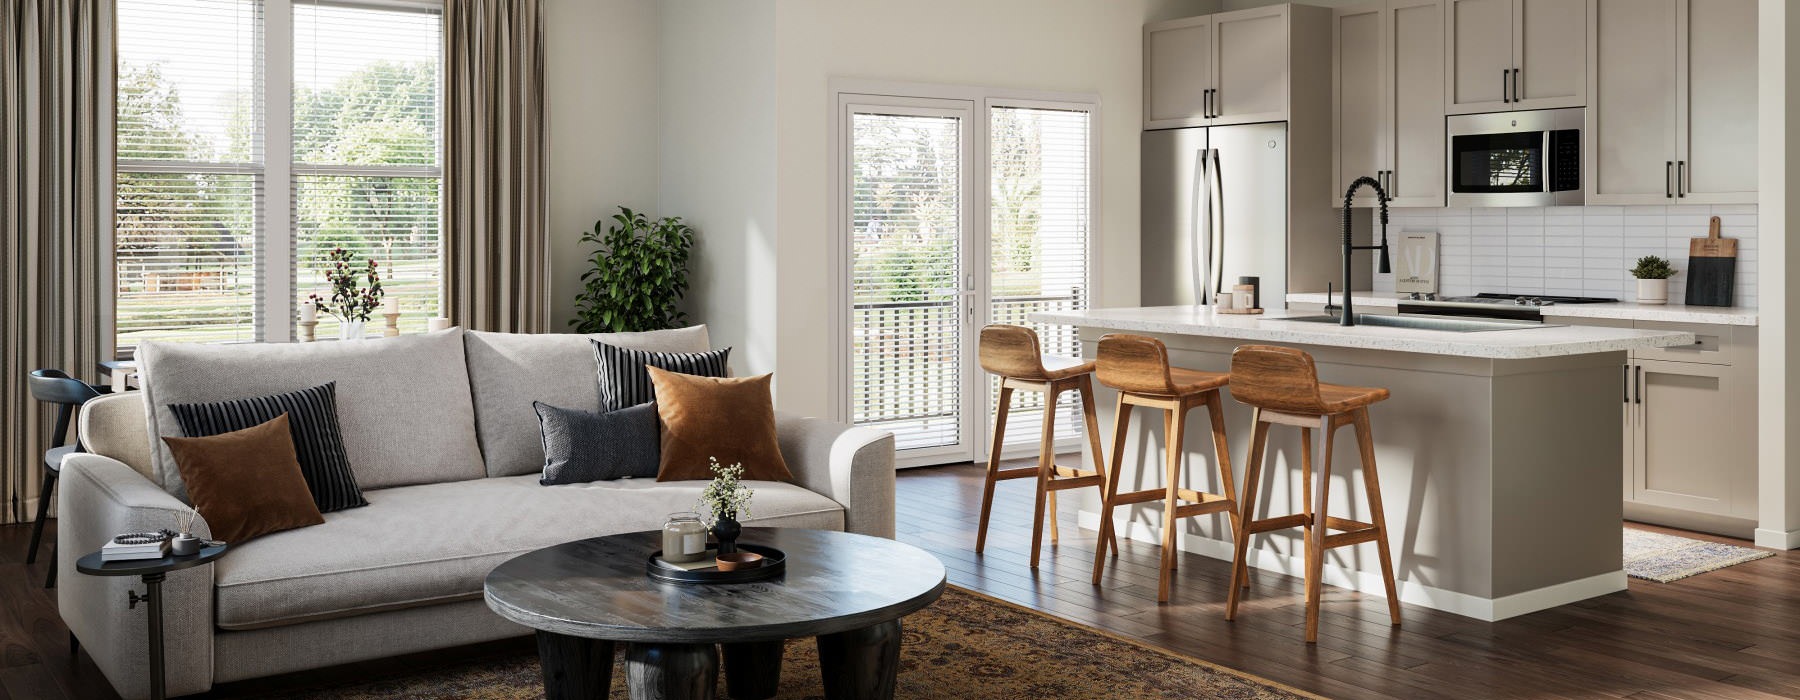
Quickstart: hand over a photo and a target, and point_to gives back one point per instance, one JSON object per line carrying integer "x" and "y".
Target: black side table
{"x": 152, "y": 571}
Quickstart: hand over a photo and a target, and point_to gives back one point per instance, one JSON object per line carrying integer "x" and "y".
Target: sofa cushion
{"x": 583, "y": 446}
{"x": 403, "y": 402}
{"x": 508, "y": 371}
{"x": 246, "y": 483}
{"x": 434, "y": 543}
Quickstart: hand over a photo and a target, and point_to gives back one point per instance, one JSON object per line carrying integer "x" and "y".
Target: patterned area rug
{"x": 964, "y": 646}
{"x": 1654, "y": 556}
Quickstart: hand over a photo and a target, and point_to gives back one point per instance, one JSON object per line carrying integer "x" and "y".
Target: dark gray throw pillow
{"x": 580, "y": 446}
{"x": 624, "y": 381}
{"x": 313, "y": 421}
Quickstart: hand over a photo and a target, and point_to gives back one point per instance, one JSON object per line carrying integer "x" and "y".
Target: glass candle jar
{"x": 684, "y": 538}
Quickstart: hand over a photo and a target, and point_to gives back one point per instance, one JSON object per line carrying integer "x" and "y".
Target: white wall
{"x": 600, "y": 92}
{"x": 1054, "y": 45}
{"x": 716, "y": 70}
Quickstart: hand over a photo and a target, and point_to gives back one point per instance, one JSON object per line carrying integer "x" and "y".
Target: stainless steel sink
{"x": 1425, "y": 323}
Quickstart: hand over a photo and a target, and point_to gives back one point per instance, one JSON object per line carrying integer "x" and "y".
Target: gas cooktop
{"x": 1513, "y": 299}
{"x": 1491, "y": 305}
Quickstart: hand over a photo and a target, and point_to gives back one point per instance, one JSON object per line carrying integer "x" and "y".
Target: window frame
{"x": 847, "y": 92}
{"x": 277, "y": 215}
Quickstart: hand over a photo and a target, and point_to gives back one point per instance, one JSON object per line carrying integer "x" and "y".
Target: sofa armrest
{"x": 853, "y": 466}
{"x": 100, "y": 497}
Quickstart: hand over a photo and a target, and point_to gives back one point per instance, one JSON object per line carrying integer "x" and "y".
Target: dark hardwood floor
{"x": 1733, "y": 633}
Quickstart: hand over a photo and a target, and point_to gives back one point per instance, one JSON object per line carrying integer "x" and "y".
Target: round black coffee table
{"x": 849, "y": 591}
{"x": 152, "y": 572}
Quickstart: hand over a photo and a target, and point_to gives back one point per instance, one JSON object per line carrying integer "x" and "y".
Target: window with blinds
{"x": 365, "y": 150}
{"x": 1038, "y": 219}
{"x": 190, "y": 174}
{"x": 907, "y": 321}
{"x": 359, "y": 150}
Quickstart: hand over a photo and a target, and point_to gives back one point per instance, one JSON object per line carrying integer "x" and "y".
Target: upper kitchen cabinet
{"x": 1504, "y": 55}
{"x": 1178, "y": 59}
{"x": 1387, "y": 78}
{"x": 1227, "y": 68}
{"x": 1673, "y": 115}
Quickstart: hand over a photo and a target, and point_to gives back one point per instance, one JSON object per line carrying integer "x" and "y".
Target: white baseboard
{"x": 1484, "y": 609}
{"x": 1773, "y": 539}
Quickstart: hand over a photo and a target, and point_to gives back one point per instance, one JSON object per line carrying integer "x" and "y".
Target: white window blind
{"x": 1038, "y": 220}
{"x": 366, "y": 135}
{"x": 906, "y": 241}
{"x": 193, "y": 225}
{"x": 189, "y": 169}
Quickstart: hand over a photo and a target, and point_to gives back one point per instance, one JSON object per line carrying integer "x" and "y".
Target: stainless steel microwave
{"x": 1515, "y": 159}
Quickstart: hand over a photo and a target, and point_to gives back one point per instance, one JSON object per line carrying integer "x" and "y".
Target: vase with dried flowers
{"x": 351, "y": 303}
{"x": 726, "y": 499}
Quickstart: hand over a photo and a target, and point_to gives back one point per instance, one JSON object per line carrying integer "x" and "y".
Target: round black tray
{"x": 774, "y": 564}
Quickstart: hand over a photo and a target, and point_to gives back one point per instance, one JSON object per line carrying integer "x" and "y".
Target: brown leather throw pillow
{"x": 246, "y": 483}
{"x": 730, "y": 419}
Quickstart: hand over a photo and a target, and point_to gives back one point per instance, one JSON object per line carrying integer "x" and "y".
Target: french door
{"x": 953, "y": 214}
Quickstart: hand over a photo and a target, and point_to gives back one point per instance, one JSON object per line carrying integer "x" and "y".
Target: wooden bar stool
{"x": 1138, "y": 367}
{"x": 1282, "y": 385}
{"x": 1011, "y": 352}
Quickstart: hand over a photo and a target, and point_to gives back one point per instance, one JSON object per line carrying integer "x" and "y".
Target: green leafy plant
{"x": 725, "y": 496}
{"x": 349, "y": 301}
{"x": 639, "y": 274}
{"x": 1651, "y": 267}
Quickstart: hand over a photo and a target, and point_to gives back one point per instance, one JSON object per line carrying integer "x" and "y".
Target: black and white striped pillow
{"x": 625, "y": 383}
{"x": 313, "y": 420}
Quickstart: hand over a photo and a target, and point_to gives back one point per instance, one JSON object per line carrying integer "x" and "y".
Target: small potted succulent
{"x": 726, "y": 499}
{"x": 1653, "y": 273}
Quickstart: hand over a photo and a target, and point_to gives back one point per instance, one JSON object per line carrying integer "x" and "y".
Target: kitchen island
{"x": 1499, "y": 453}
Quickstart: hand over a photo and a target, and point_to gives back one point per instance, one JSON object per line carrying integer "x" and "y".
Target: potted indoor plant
{"x": 639, "y": 274}
{"x": 726, "y": 499}
{"x": 1653, "y": 273}
{"x": 350, "y": 303}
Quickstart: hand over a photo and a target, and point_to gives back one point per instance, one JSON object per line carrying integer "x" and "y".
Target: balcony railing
{"x": 906, "y": 373}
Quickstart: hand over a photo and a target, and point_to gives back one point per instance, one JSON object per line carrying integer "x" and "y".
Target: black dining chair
{"x": 67, "y": 393}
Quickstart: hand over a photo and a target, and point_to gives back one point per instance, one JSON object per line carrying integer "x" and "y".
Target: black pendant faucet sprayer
{"x": 1349, "y": 315}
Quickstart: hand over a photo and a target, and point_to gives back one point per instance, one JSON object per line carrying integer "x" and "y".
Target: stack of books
{"x": 114, "y": 551}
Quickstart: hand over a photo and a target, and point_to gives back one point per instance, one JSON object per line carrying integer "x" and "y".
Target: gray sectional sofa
{"x": 443, "y": 440}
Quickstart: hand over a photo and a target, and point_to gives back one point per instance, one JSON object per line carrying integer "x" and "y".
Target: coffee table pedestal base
{"x": 672, "y": 671}
{"x": 861, "y": 664}
{"x": 575, "y": 667}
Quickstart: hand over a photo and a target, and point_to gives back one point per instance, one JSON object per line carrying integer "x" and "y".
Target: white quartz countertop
{"x": 1520, "y": 344}
{"x": 1667, "y": 313}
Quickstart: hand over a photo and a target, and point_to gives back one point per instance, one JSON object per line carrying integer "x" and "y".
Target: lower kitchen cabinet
{"x": 1690, "y": 432}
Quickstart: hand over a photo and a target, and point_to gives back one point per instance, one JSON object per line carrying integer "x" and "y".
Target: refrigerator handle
{"x": 1217, "y": 192}
{"x": 1202, "y": 247}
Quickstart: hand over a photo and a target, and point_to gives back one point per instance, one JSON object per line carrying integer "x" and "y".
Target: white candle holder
{"x": 393, "y": 325}
{"x": 307, "y": 331}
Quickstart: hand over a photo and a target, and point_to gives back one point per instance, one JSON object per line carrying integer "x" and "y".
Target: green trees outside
{"x": 184, "y": 239}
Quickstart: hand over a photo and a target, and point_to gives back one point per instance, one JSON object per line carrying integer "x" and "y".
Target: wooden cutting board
{"x": 1712, "y": 268}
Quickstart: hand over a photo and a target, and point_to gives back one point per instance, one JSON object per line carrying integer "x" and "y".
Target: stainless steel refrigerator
{"x": 1215, "y": 207}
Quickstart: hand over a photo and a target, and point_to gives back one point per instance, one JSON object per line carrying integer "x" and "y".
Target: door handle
{"x": 1669, "y": 179}
{"x": 1681, "y": 178}
{"x": 1515, "y": 86}
{"x": 1212, "y": 107}
{"x": 1505, "y": 93}
{"x": 1625, "y": 371}
{"x": 1639, "y": 398}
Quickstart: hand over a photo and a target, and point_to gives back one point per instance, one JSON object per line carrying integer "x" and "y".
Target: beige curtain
{"x": 56, "y": 195}
{"x": 496, "y": 239}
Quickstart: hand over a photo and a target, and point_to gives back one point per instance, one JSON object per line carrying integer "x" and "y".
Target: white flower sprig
{"x": 725, "y": 496}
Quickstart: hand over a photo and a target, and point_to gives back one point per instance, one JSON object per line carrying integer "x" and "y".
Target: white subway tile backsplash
{"x": 1584, "y": 251}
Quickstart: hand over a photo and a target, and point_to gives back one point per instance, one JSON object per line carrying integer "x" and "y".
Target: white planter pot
{"x": 1653, "y": 291}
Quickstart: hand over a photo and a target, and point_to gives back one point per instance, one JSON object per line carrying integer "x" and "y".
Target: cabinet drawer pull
{"x": 1625, "y": 372}
{"x": 1505, "y": 94}
{"x": 1669, "y": 179}
{"x": 1681, "y": 178}
{"x": 1640, "y": 385}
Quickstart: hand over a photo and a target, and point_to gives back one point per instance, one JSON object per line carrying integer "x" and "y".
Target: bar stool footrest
{"x": 1072, "y": 482}
{"x": 1280, "y": 523}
